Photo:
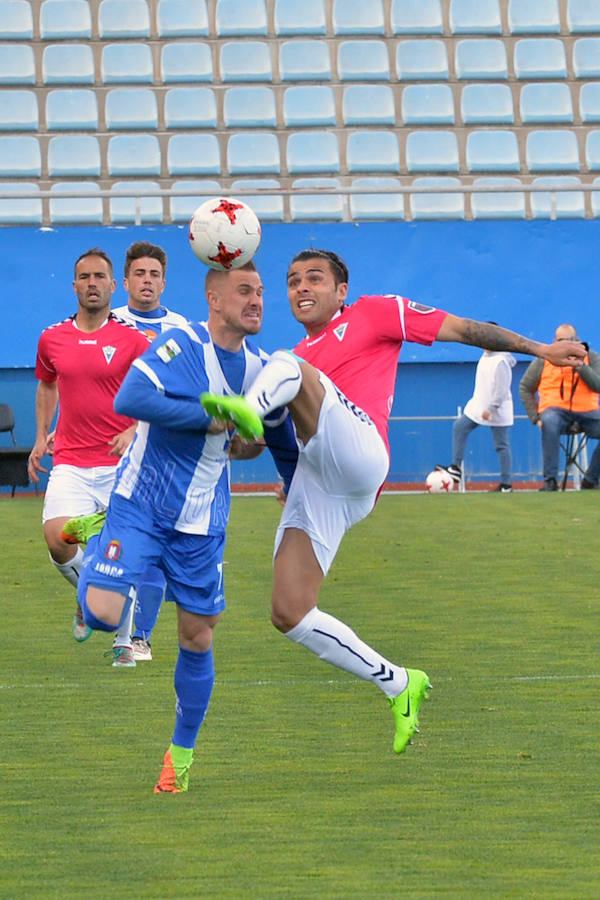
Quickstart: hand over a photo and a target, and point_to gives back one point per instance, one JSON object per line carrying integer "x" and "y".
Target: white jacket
{"x": 492, "y": 389}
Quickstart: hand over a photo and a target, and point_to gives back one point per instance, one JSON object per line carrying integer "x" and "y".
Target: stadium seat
{"x": 135, "y": 210}
{"x": 319, "y": 207}
{"x": 68, "y": 64}
{"x": 486, "y": 104}
{"x": 493, "y": 151}
{"x": 313, "y": 152}
{"x": 309, "y": 105}
{"x": 372, "y": 151}
{"x": 475, "y": 17}
{"x": 586, "y": 58}
{"x": 131, "y": 109}
{"x": 497, "y": 205}
{"x": 268, "y": 207}
{"x": 76, "y": 210}
{"x": 249, "y": 107}
{"x": 545, "y": 102}
{"x": 548, "y": 151}
{"x": 20, "y": 211}
{"x": 127, "y": 63}
{"x": 378, "y": 206}
{"x": 357, "y": 17}
{"x": 246, "y": 61}
{"x": 304, "y": 61}
{"x": 241, "y": 17}
{"x": 18, "y": 111}
{"x": 180, "y": 18}
{"x": 558, "y": 205}
{"x": 307, "y": 17}
{"x": 583, "y": 16}
{"x": 182, "y": 208}
{"x": 427, "y": 104}
{"x": 421, "y": 60}
{"x": 20, "y": 157}
{"x": 540, "y": 58}
{"x": 134, "y": 154}
{"x": 186, "y": 61}
{"x": 432, "y": 151}
{"x": 253, "y": 153}
{"x": 74, "y": 155}
{"x": 65, "y": 19}
{"x": 193, "y": 154}
{"x": 71, "y": 110}
{"x": 424, "y": 17}
{"x": 117, "y": 19}
{"x": 595, "y": 197}
{"x": 533, "y": 17}
{"x": 190, "y": 107}
{"x": 589, "y": 102}
{"x": 17, "y": 64}
{"x": 16, "y": 20}
{"x": 592, "y": 151}
{"x": 435, "y": 205}
{"x": 363, "y": 61}
{"x": 364, "y": 104}
{"x": 481, "y": 59}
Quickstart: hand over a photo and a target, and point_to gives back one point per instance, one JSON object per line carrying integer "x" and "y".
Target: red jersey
{"x": 89, "y": 369}
{"x": 358, "y": 349}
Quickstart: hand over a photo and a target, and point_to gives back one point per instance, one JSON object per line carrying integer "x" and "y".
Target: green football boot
{"x": 406, "y": 708}
{"x": 234, "y": 409}
{"x": 81, "y": 529}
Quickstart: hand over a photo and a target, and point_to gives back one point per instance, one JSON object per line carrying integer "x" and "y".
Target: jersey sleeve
{"x": 44, "y": 367}
{"x": 400, "y": 319}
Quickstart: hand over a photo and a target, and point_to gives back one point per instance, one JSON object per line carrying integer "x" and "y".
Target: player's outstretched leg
{"x": 82, "y": 528}
{"x": 234, "y": 409}
{"x": 405, "y": 708}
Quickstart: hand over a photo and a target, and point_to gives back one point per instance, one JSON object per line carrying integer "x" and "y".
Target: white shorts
{"x": 74, "y": 491}
{"x": 337, "y": 478}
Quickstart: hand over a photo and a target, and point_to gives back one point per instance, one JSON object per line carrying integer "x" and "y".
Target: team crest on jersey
{"x": 340, "y": 331}
{"x": 109, "y": 352}
{"x": 168, "y": 351}
{"x": 420, "y": 307}
{"x": 113, "y": 551}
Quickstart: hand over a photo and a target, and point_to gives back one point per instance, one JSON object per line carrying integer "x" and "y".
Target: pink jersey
{"x": 89, "y": 369}
{"x": 359, "y": 349}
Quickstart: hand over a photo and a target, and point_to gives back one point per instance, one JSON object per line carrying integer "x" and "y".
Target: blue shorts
{"x": 128, "y": 544}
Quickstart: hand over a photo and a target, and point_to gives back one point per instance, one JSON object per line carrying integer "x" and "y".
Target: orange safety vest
{"x": 562, "y": 386}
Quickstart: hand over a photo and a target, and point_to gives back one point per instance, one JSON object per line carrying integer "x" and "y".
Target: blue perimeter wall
{"x": 528, "y": 276}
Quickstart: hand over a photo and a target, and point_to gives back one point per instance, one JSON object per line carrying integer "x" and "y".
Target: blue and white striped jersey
{"x": 153, "y": 322}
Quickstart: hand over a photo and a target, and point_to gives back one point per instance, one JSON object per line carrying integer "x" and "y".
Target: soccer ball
{"x": 224, "y": 233}
{"x": 439, "y": 483}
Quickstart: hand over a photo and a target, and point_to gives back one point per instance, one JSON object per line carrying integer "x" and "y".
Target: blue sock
{"x": 194, "y": 679}
{"x": 150, "y": 593}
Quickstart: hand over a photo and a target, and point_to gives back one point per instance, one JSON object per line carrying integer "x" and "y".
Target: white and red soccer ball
{"x": 439, "y": 483}
{"x": 224, "y": 233}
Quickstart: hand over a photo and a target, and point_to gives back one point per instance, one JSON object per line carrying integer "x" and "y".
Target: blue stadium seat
{"x": 552, "y": 151}
{"x": 134, "y": 155}
{"x": 423, "y": 17}
{"x": 364, "y": 104}
{"x": 481, "y": 58}
{"x": 493, "y": 151}
{"x": 504, "y": 205}
{"x": 17, "y": 64}
{"x": 132, "y": 210}
{"x": 434, "y": 205}
{"x": 308, "y": 105}
{"x": 253, "y": 153}
{"x": 475, "y": 17}
{"x": 190, "y": 107}
{"x": 596, "y": 199}
{"x": 20, "y": 157}
{"x": 363, "y": 61}
{"x": 533, "y": 17}
{"x": 307, "y": 17}
{"x": 127, "y": 63}
{"x": 560, "y": 205}
{"x": 193, "y": 154}
{"x": 76, "y": 210}
{"x": 180, "y": 18}
{"x": 186, "y": 61}
{"x": 592, "y": 151}
{"x": 319, "y": 207}
{"x": 357, "y": 17}
{"x": 583, "y": 16}
{"x": 18, "y": 111}
{"x": 268, "y": 207}
{"x": 427, "y": 104}
{"x": 540, "y": 58}
{"x": 131, "y": 109}
{"x": 181, "y": 209}
{"x": 372, "y": 151}
{"x": 432, "y": 151}
{"x": 586, "y": 58}
{"x": 240, "y": 17}
{"x": 72, "y": 110}
{"x": 68, "y": 64}
{"x": 74, "y": 155}
{"x": 304, "y": 61}
{"x": 246, "y": 61}
{"x": 486, "y": 104}
{"x": 249, "y": 107}
{"x": 589, "y": 102}
{"x": 378, "y": 206}
{"x": 65, "y": 19}
{"x": 545, "y": 102}
{"x": 16, "y": 20}
{"x": 24, "y": 211}
{"x": 118, "y": 19}
{"x": 313, "y": 152}
{"x": 421, "y": 60}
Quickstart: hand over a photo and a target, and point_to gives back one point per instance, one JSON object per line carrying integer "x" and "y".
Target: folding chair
{"x": 13, "y": 460}
{"x": 575, "y": 448}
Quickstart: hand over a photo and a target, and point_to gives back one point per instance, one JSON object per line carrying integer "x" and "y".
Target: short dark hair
{"x": 94, "y": 251}
{"x": 145, "y": 248}
{"x": 337, "y": 264}
{"x": 215, "y": 273}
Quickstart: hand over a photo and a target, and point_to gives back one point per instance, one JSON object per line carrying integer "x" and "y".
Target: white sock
{"x": 337, "y": 644}
{"x": 277, "y": 384}
{"x": 71, "y": 569}
{"x": 125, "y": 630}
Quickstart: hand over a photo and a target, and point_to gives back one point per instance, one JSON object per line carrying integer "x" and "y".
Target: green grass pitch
{"x": 296, "y": 792}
